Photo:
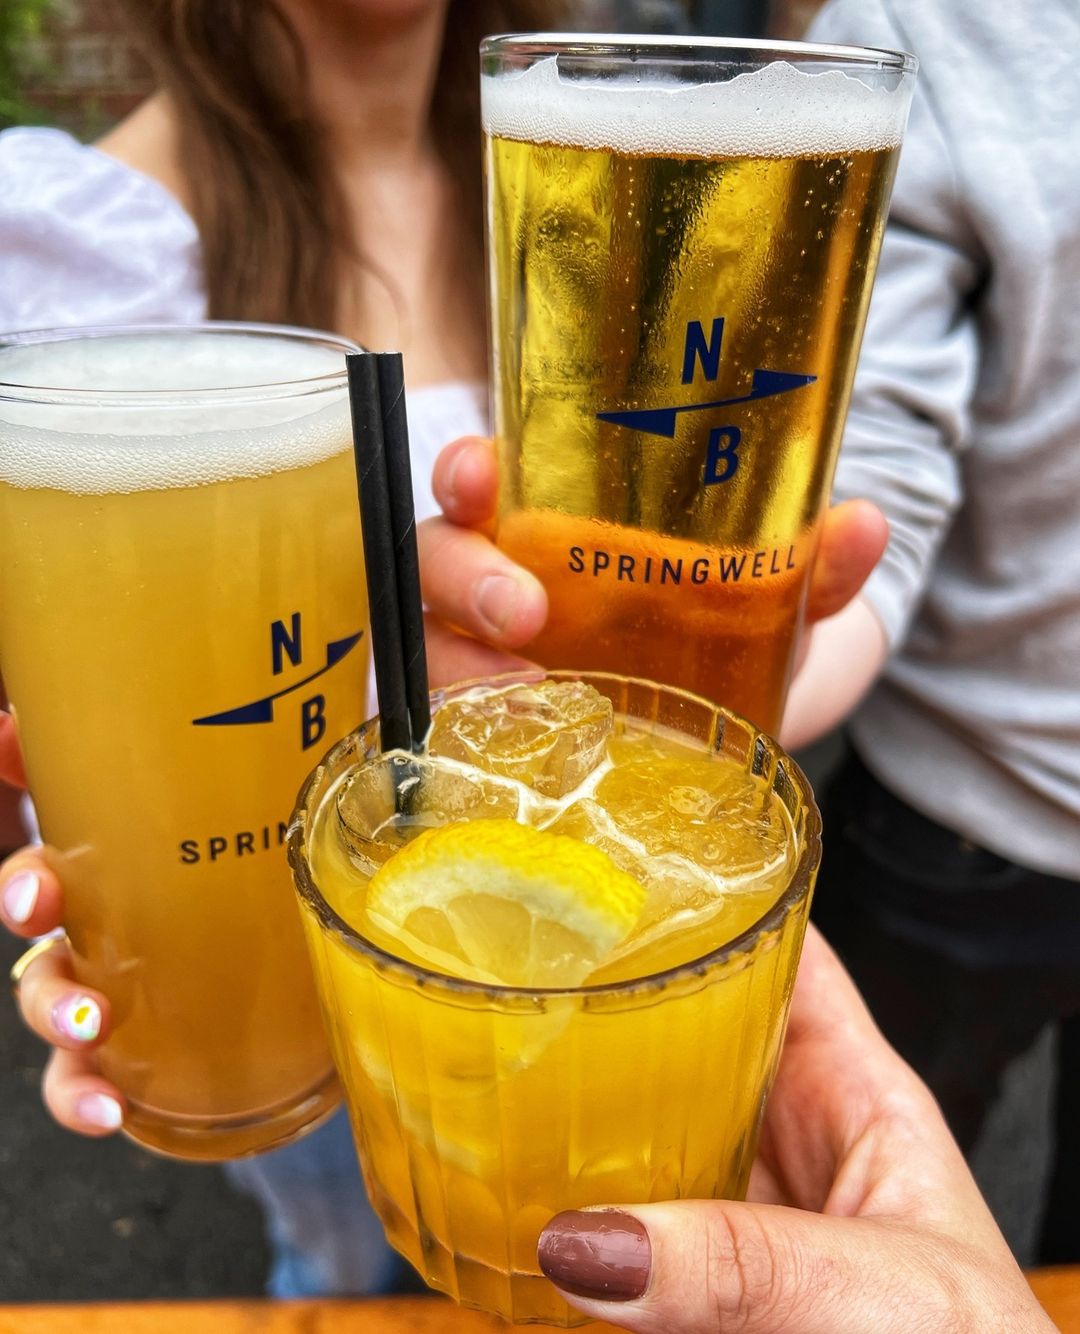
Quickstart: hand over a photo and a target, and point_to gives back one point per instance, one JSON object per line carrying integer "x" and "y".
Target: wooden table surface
{"x": 386, "y": 1315}
{"x": 1057, "y": 1289}
{"x": 398, "y": 1315}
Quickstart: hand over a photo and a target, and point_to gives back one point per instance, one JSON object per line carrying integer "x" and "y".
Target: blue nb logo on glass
{"x": 722, "y": 457}
{"x": 285, "y": 643}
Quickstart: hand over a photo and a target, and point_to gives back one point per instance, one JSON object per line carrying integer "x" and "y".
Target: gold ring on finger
{"x": 36, "y": 951}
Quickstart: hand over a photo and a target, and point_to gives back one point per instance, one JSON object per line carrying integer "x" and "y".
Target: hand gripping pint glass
{"x": 682, "y": 240}
{"x": 182, "y": 614}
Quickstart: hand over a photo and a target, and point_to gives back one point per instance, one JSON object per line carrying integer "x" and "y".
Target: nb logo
{"x": 722, "y": 456}
{"x": 285, "y": 642}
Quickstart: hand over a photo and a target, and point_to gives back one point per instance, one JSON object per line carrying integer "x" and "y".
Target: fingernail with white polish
{"x": 20, "y": 897}
{"x": 98, "y": 1109}
{"x": 77, "y": 1017}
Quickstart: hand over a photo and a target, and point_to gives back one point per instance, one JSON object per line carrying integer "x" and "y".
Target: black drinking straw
{"x": 371, "y": 477}
{"x": 395, "y": 426}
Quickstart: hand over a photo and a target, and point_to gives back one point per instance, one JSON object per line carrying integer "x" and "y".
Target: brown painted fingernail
{"x": 604, "y": 1255}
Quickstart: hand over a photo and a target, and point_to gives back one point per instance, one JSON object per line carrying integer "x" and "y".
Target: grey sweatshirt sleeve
{"x": 909, "y": 416}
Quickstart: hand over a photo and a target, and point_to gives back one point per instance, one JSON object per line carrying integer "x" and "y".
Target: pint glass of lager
{"x": 682, "y": 240}
{"x": 182, "y": 630}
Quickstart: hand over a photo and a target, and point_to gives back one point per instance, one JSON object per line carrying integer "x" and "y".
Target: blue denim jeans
{"x": 324, "y": 1237}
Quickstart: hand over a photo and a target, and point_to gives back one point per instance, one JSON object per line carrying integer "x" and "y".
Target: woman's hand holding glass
{"x": 861, "y": 1215}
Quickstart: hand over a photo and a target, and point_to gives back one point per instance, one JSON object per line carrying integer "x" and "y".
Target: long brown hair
{"x": 270, "y": 217}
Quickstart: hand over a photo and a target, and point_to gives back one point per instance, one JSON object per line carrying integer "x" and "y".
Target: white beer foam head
{"x": 99, "y": 445}
{"x": 776, "y": 111}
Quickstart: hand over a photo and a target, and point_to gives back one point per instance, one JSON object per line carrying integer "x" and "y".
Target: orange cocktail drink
{"x": 555, "y": 955}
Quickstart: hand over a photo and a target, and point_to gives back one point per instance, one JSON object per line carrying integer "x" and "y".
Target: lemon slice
{"x": 494, "y": 900}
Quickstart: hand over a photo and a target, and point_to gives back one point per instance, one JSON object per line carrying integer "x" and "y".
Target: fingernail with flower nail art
{"x": 98, "y": 1109}
{"x": 77, "y": 1017}
{"x": 20, "y": 897}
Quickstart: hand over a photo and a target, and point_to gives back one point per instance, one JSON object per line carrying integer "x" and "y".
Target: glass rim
{"x": 742, "y": 944}
{"x": 58, "y": 395}
{"x": 645, "y": 46}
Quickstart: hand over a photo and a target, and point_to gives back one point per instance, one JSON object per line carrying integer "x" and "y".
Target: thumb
{"x": 717, "y": 1267}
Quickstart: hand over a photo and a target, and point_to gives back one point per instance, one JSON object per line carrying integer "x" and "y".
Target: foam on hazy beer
{"x": 777, "y": 111}
{"x": 98, "y": 448}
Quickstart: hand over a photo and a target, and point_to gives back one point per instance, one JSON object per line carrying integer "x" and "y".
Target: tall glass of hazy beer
{"x": 682, "y": 240}
{"x": 182, "y": 622}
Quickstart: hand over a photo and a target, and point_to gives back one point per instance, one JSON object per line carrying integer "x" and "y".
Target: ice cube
{"x": 385, "y": 804}
{"x": 676, "y": 799}
{"x": 710, "y": 843}
{"x": 682, "y": 898}
{"x": 549, "y": 736}
{"x": 673, "y": 882}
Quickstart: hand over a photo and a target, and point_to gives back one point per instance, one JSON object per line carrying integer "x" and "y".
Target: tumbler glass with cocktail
{"x": 555, "y": 955}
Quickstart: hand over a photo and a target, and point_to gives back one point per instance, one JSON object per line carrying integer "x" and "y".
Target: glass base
{"x": 516, "y": 1297}
{"x": 216, "y": 1139}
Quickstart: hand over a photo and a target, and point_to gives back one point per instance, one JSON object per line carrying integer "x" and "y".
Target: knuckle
{"x": 28, "y": 997}
{"x": 27, "y": 1013}
{"x": 756, "y": 1279}
{"x": 440, "y": 543}
{"x": 428, "y": 533}
{"x": 52, "y": 1090}
{"x": 22, "y": 859}
{"x": 36, "y": 1009}
{"x": 954, "y": 1293}
{"x": 740, "y": 1269}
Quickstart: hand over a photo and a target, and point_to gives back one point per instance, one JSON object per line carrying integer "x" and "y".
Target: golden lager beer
{"x": 682, "y": 244}
{"x": 182, "y": 622}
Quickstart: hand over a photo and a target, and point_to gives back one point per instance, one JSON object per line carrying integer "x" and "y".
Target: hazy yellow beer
{"x": 556, "y": 970}
{"x": 182, "y": 628}
{"x": 682, "y": 243}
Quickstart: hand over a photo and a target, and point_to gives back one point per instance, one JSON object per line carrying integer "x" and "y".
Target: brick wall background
{"x": 82, "y": 73}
